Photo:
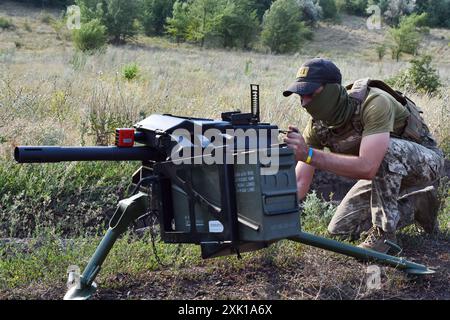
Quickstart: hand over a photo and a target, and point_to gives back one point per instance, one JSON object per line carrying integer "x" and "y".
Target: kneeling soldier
{"x": 375, "y": 135}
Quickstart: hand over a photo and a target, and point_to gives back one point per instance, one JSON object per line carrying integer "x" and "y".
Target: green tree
{"x": 50, "y": 3}
{"x": 282, "y": 29}
{"x": 356, "y": 7}
{"x": 154, "y": 15}
{"x": 329, "y": 9}
{"x": 397, "y": 9}
{"x": 232, "y": 23}
{"x": 438, "y": 12}
{"x": 177, "y": 25}
{"x": 261, "y": 7}
{"x": 203, "y": 19}
{"x": 118, "y": 16}
{"x": 407, "y": 36}
{"x": 237, "y": 24}
{"x": 90, "y": 37}
{"x": 311, "y": 11}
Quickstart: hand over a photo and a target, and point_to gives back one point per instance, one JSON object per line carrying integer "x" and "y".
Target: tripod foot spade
{"x": 127, "y": 211}
{"x": 85, "y": 292}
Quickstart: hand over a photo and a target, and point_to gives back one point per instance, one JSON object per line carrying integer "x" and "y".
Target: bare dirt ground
{"x": 314, "y": 274}
{"x": 317, "y": 275}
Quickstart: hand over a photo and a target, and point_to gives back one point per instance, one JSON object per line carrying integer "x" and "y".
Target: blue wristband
{"x": 310, "y": 154}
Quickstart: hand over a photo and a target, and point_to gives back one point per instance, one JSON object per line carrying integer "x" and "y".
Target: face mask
{"x": 331, "y": 106}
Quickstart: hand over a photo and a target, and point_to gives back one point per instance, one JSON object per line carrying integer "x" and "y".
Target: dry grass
{"x": 49, "y": 95}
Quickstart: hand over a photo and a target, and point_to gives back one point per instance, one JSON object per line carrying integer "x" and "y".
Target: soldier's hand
{"x": 296, "y": 141}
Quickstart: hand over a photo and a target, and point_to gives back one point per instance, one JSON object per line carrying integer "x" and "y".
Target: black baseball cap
{"x": 312, "y": 74}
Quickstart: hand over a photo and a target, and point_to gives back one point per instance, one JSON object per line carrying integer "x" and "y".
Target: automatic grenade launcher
{"x": 225, "y": 185}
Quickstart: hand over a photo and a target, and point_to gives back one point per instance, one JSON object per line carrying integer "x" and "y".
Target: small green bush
{"x": 420, "y": 77}
{"x": 316, "y": 213}
{"x": 90, "y": 37}
{"x": 27, "y": 27}
{"x": 130, "y": 71}
{"x": 6, "y": 24}
{"x": 381, "y": 51}
{"x": 46, "y": 17}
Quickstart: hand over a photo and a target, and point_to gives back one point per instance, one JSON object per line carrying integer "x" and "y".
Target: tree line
{"x": 280, "y": 25}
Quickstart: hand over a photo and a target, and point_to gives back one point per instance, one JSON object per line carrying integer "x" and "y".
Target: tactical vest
{"x": 347, "y": 139}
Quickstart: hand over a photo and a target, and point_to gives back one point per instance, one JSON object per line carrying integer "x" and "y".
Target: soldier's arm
{"x": 364, "y": 166}
{"x": 304, "y": 174}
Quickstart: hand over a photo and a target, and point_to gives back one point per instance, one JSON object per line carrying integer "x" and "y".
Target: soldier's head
{"x": 311, "y": 79}
{"x": 319, "y": 85}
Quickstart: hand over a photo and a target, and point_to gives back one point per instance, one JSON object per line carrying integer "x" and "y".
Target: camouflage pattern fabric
{"x": 407, "y": 167}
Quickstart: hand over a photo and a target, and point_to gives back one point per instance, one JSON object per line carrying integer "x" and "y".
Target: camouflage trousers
{"x": 407, "y": 167}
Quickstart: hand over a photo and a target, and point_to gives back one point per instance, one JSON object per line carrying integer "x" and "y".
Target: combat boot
{"x": 375, "y": 240}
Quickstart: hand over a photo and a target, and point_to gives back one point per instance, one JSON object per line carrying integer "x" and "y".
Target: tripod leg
{"x": 360, "y": 253}
{"x": 127, "y": 211}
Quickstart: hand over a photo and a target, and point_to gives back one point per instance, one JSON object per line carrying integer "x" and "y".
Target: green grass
{"x": 72, "y": 198}
{"x": 46, "y": 260}
{"x": 444, "y": 214}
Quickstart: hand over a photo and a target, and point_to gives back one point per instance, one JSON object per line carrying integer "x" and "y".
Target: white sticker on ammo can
{"x": 215, "y": 226}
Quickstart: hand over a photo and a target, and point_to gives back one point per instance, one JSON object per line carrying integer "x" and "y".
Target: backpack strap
{"x": 359, "y": 90}
{"x": 385, "y": 87}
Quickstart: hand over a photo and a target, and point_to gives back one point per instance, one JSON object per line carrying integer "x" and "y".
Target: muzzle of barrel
{"x": 43, "y": 154}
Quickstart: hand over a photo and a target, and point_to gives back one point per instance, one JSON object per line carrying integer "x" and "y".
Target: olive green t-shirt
{"x": 380, "y": 113}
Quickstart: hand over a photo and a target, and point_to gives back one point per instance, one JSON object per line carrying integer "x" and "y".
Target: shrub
{"x": 329, "y": 9}
{"x": 90, "y": 37}
{"x": 130, "y": 71}
{"x": 282, "y": 28}
{"x": 397, "y": 9}
{"x": 420, "y": 77}
{"x": 438, "y": 12}
{"x": 60, "y": 27}
{"x": 118, "y": 16}
{"x": 27, "y": 26}
{"x": 311, "y": 11}
{"x": 316, "y": 213}
{"x": 407, "y": 36}
{"x": 154, "y": 15}
{"x": 355, "y": 7}
{"x": 6, "y": 24}
{"x": 381, "y": 51}
{"x": 46, "y": 17}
